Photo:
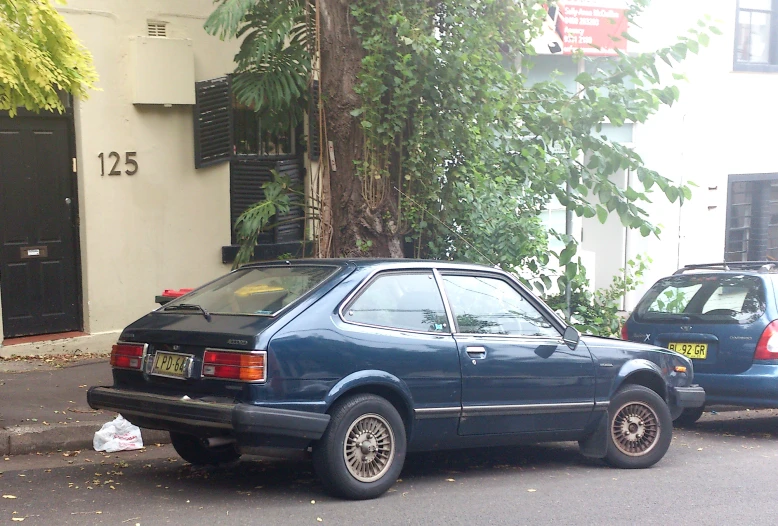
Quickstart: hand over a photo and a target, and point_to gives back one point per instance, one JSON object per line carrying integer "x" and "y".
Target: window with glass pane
{"x": 756, "y": 36}
{"x": 484, "y": 305}
{"x": 255, "y": 134}
{"x": 409, "y": 301}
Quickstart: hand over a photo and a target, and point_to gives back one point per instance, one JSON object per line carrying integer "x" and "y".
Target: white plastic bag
{"x": 118, "y": 435}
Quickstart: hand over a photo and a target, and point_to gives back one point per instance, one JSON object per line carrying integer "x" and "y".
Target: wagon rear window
{"x": 258, "y": 290}
{"x": 704, "y": 298}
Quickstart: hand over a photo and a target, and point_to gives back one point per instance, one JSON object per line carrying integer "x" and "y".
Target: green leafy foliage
{"x": 39, "y": 58}
{"x": 259, "y": 217}
{"x": 477, "y": 152}
{"x": 461, "y": 153}
{"x": 598, "y": 312}
{"x": 274, "y": 61}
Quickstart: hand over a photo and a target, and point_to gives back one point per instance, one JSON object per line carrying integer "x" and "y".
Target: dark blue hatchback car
{"x": 724, "y": 317}
{"x": 362, "y": 361}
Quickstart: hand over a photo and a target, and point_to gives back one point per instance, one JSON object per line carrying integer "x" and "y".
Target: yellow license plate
{"x": 695, "y": 351}
{"x": 169, "y": 364}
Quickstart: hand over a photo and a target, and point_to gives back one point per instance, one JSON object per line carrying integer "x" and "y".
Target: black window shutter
{"x": 314, "y": 141}
{"x": 212, "y": 122}
{"x": 246, "y": 178}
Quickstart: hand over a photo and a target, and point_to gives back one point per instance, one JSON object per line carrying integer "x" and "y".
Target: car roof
{"x": 376, "y": 263}
{"x": 730, "y": 267}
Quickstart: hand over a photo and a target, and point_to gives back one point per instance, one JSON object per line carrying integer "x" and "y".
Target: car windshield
{"x": 705, "y": 298}
{"x": 260, "y": 291}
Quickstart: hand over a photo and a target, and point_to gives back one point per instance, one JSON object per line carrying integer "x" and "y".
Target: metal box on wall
{"x": 162, "y": 70}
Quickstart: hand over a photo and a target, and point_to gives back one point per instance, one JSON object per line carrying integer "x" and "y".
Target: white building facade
{"x": 716, "y": 138}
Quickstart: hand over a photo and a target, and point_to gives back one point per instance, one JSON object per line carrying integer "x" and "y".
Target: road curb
{"x": 22, "y": 440}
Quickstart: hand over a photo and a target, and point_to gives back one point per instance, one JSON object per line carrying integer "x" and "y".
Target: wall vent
{"x": 157, "y": 29}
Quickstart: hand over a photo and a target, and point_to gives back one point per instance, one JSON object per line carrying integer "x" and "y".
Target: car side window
{"x": 395, "y": 300}
{"x": 483, "y": 305}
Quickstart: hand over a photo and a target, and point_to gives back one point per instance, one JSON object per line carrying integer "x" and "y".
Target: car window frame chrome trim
{"x": 527, "y": 296}
{"x": 370, "y": 278}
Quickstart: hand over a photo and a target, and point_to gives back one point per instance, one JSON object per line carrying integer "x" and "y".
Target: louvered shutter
{"x": 246, "y": 179}
{"x": 212, "y": 122}
{"x": 290, "y": 225}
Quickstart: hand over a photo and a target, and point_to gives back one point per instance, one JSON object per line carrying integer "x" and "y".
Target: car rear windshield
{"x": 260, "y": 291}
{"x": 704, "y": 298}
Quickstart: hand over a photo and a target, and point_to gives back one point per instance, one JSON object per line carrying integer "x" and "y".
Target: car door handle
{"x": 476, "y": 352}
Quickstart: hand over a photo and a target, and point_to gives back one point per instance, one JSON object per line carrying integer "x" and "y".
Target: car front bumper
{"x": 208, "y": 417}
{"x": 692, "y": 396}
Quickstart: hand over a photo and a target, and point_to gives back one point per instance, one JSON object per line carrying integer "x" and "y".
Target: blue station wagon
{"x": 362, "y": 361}
{"x": 724, "y": 317}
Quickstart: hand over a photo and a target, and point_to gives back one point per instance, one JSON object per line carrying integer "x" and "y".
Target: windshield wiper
{"x": 190, "y": 306}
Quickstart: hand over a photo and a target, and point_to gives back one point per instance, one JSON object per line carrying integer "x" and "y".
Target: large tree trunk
{"x": 358, "y": 229}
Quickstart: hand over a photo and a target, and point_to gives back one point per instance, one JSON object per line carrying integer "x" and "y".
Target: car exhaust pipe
{"x": 219, "y": 441}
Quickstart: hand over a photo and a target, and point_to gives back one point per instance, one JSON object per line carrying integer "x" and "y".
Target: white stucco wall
{"x": 163, "y": 227}
{"x": 720, "y": 127}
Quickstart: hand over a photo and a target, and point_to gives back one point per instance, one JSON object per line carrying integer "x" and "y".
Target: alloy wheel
{"x": 635, "y": 428}
{"x": 369, "y": 447}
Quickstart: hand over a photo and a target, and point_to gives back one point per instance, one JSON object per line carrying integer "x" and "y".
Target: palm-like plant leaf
{"x": 274, "y": 62}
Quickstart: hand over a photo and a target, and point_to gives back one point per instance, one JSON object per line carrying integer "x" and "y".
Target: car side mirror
{"x": 571, "y": 337}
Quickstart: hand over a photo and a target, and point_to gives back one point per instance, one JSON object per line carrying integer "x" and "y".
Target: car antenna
{"x": 460, "y": 236}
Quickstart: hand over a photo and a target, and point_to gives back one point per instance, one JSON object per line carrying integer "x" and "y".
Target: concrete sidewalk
{"x": 43, "y": 408}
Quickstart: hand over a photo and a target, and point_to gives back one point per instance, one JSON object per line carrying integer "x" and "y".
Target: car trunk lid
{"x": 175, "y": 347}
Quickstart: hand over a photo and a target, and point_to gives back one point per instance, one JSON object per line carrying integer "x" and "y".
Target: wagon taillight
{"x": 767, "y": 347}
{"x": 127, "y": 355}
{"x": 230, "y": 365}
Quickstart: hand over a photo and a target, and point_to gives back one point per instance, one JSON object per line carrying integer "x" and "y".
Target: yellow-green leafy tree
{"x": 40, "y": 57}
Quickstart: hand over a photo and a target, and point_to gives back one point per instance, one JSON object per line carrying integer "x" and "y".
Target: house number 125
{"x": 129, "y": 161}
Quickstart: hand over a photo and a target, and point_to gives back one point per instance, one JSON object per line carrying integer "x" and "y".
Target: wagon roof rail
{"x": 760, "y": 266}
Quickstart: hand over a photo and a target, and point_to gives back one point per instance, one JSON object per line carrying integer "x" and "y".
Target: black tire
{"x": 381, "y": 456}
{"x": 639, "y": 428}
{"x": 193, "y": 450}
{"x": 689, "y": 417}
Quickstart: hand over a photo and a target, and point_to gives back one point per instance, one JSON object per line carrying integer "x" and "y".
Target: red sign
{"x": 594, "y": 26}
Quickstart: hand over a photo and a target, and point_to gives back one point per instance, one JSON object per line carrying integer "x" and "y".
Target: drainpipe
{"x": 569, "y": 216}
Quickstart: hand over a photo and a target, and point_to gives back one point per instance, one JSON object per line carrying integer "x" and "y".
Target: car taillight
{"x": 229, "y": 365}
{"x": 127, "y": 355}
{"x": 767, "y": 348}
{"x": 624, "y": 335}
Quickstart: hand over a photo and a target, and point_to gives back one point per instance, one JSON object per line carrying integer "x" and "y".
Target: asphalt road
{"x": 720, "y": 472}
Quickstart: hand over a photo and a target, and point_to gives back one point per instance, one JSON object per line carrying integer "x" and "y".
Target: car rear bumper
{"x": 755, "y": 387}
{"x": 176, "y": 414}
{"x": 692, "y": 396}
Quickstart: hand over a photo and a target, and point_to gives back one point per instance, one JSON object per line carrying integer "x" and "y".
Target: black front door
{"x": 38, "y": 243}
